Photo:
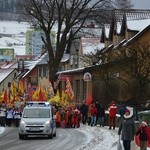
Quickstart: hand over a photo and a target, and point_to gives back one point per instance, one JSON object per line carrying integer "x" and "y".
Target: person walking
{"x": 122, "y": 110}
{"x": 93, "y": 114}
{"x": 2, "y": 115}
{"x": 143, "y": 135}
{"x": 97, "y": 104}
{"x": 101, "y": 115}
{"x": 112, "y": 115}
{"x": 84, "y": 112}
{"x": 127, "y": 129}
{"x": 9, "y": 116}
{"x": 75, "y": 118}
{"x": 58, "y": 118}
{"x": 17, "y": 116}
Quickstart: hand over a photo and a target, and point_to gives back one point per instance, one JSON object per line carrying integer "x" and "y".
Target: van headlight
{"x": 47, "y": 123}
{"x": 22, "y": 122}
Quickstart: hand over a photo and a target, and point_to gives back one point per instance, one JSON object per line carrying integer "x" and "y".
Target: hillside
{"x": 12, "y": 35}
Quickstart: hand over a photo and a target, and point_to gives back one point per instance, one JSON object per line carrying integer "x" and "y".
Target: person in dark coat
{"x": 84, "y": 112}
{"x": 97, "y": 104}
{"x": 122, "y": 110}
{"x": 127, "y": 129}
{"x": 101, "y": 115}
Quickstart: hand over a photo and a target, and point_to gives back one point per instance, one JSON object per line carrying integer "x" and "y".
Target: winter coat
{"x": 17, "y": 114}
{"x": 122, "y": 110}
{"x": 127, "y": 128}
{"x": 93, "y": 111}
{"x": 112, "y": 110}
{"x": 101, "y": 111}
{"x": 2, "y": 112}
{"x": 143, "y": 133}
{"x": 9, "y": 114}
{"x": 58, "y": 117}
{"x": 84, "y": 109}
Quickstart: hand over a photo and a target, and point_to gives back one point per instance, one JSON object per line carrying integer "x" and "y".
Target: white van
{"x": 37, "y": 119}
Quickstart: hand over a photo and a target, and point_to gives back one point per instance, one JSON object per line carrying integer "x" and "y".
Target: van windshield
{"x": 36, "y": 113}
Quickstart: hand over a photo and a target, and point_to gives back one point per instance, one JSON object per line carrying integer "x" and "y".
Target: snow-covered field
{"x": 13, "y": 35}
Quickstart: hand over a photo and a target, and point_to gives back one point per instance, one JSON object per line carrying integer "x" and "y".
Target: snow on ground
{"x": 98, "y": 138}
{"x": 101, "y": 138}
{"x": 2, "y": 130}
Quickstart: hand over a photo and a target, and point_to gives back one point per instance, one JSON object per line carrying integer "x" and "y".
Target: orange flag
{"x": 5, "y": 97}
{"x": 13, "y": 88}
{"x": 21, "y": 87}
{"x": 89, "y": 99}
{"x": 69, "y": 90}
{"x": 41, "y": 96}
{"x": 50, "y": 90}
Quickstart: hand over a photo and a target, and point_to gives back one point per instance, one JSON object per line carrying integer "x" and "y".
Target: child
{"x": 143, "y": 135}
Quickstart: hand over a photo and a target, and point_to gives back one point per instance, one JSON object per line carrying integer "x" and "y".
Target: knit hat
{"x": 112, "y": 103}
{"x": 144, "y": 122}
{"x": 127, "y": 110}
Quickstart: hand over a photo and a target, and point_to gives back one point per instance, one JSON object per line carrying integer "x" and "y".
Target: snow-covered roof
{"x": 135, "y": 36}
{"x": 138, "y": 25}
{"x": 10, "y": 65}
{"x": 65, "y": 58}
{"x": 71, "y": 70}
{"x": 91, "y": 45}
{"x": 31, "y": 64}
{"x": 44, "y": 59}
{"x": 120, "y": 44}
{"x": 4, "y": 73}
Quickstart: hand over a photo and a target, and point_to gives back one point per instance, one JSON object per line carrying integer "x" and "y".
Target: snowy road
{"x": 66, "y": 139}
{"x": 83, "y": 138}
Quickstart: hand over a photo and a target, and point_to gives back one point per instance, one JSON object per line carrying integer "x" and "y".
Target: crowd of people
{"x": 95, "y": 114}
{"x": 10, "y": 115}
{"x": 72, "y": 116}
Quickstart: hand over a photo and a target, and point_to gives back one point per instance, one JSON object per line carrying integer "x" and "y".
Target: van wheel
{"x": 21, "y": 136}
{"x": 50, "y": 136}
{"x": 54, "y": 135}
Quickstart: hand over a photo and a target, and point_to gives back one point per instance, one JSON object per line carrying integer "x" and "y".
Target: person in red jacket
{"x": 93, "y": 114}
{"x": 144, "y": 137}
{"x": 75, "y": 118}
{"x": 112, "y": 115}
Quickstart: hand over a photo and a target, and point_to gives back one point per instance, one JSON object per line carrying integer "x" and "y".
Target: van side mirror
{"x": 54, "y": 117}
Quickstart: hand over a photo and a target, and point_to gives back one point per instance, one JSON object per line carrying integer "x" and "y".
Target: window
{"x": 84, "y": 89}
{"x": 33, "y": 80}
{"x": 44, "y": 71}
{"x": 40, "y": 72}
{"x": 37, "y": 113}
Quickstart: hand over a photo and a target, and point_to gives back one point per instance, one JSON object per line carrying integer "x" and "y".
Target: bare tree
{"x": 138, "y": 69}
{"x": 123, "y": 4}
{"x": 63, "y": 15}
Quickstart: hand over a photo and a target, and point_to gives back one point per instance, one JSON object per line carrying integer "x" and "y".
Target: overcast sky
{"x": 141, "y": 4}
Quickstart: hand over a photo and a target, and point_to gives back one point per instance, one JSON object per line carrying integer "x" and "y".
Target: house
{"x": 127, "y": 28}
{"x": 8, "y": 73}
